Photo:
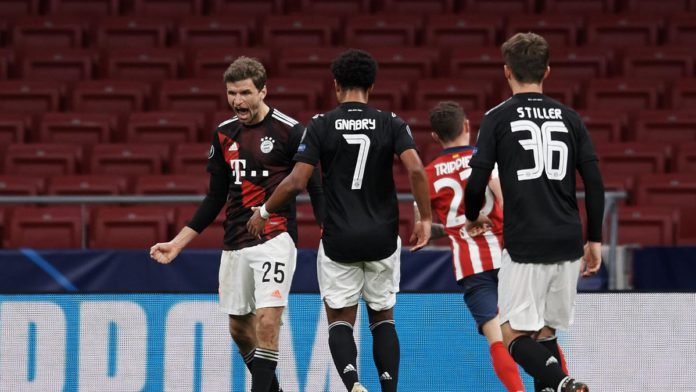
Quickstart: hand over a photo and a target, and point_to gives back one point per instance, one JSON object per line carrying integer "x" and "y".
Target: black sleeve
{"x": 309, "y": 148}
{"x": 594, "y": 199}
{"x": 295, "y": 138}
{"x": 403, "y": 138}
{"x": 213, "y": 202}
{"x": 316, "y": 196}
{"x": 475, "y": 193}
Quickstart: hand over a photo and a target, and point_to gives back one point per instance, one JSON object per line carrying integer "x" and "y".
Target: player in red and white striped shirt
{"x": 476, "y": 260}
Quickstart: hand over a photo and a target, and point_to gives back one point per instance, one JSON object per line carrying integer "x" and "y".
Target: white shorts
{"x": 531, "y": 296}
{"x": 257, "y": 277}
{"x": 341, "y": 284}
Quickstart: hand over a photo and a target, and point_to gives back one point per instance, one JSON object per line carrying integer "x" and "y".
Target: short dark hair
{"x": 447, "y": 120}
{"x": 354, "y": 69}
{"x": 527, "y": 56}
{"x": 246, "y": 68}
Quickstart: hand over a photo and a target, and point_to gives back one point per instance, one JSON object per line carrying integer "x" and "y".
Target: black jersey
{"x": 355, "y": 145}
{"x": 256, "y": 158}
{"x": 538, "y": 143}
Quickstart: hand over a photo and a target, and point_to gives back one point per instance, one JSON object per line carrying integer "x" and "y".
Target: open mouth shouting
{"x": 244, "y": 114}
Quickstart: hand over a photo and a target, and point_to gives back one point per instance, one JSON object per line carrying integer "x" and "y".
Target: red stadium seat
{"x": 110, "y": 96}
{"x": 622, "y": 30}
{"x": 419, "y": 7}
{"x": 308, "y": 231}
{"x": 559, "y": 30}
{"x": 17, "y": 8}
{"x": 482, "y": 63}
{"x": 390, "y": 95}
{"x": 470, "y": 94}
{"x": 87, "y": 184}
{"x": 612, "y": 182}
{"x": 42, "y": 159}
{"x": 666, "y": 126}
{"x": 684, "y": 94}
{"x": 146, "y": 64}
{"x": 211, "y": 63}
{"x": 86, "y": 8}
{"x": 131, "y": 32}
{"x": 659, "y": 63}
{"x": 681, "y": 29}
{"x": 77, "y": 128}
{"x": 173, "y": 184}
{"x": 192, "y": 95}
{"x": 579, "y": 63}
{"x": 631, "y": 159}
{"x": 250, "y": 7}
{"x": 216, "y": 31}
{"x": 419, "y": 123}
{"x": 604, "y": 125}
{"x": 298, "y": 30}
{"x": 335, "y": 7}
{"x": 686, "y": 158}
{"x": 169, "y": 8}
{"x": 164, "y": 127}
{"x": 382, "y": 30}
{"x": 623, "y": 94}
{"x": 499, "y": 6}
{"x": 673, "y": 190}
{"x": 48, "y": 32}
{"x": 402, "y": 63}
{"x": 653, "y": 7}
{"x": 13, "y": 128}
{"x": 686, "y": 230}
{"x": 127, "y": 159}
{"x": 130, "y": 227}
{"x": 211, "y": 237}
{"x": 56, "y": 227}
{"x": 406, "y": 222}
{"x": 68, "y": 65}
{"x": 16, "y": 185}
{"x": 24, "y": 96}
{"x": 564, "y": 91}
{"x": 307, "y": 62}
{"x": 462, "y": 30}
{"x": 6, "y": 56}
{"x": 292, "y": 96}
{"x": 647, "y": 226}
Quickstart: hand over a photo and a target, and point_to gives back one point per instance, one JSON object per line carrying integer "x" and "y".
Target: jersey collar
{"x": 452, "y": 150}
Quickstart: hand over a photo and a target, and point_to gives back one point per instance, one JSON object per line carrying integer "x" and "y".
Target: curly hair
{"x": 527, "y": 56}
{"x": 354, "y": 69}
{"x": 246, "y": 68}
{"x": 446, "y": 120}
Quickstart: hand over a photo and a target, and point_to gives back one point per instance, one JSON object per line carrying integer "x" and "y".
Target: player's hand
{"x": 164, "y": 252}
{"x": 481, "y": 225}
{"x": 592, "y": 258}
{"x": 256, "y": 223}
{"x": 421, "y": 234}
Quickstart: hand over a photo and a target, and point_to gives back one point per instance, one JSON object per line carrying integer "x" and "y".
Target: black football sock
{"x": 537, "y": 361}
{"x": 344, "y": 352}
{"x": 249, "y": 360}
{"x": 263, "y": 369}
{"x": 551, "y": 344}
{"x": 385, "y": 349}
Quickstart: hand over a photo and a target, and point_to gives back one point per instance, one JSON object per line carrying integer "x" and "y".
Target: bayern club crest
{"x": 267, "y": 144}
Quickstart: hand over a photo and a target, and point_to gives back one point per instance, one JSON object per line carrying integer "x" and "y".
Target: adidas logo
{"x": 385, "y": 376}
{"x": 349, "y": 368}
{"x": 276, "y": 294}
{"x": 233, "y": 147}
{"x": 551, "y": 360}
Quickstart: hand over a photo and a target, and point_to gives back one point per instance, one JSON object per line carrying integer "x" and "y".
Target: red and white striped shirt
{"x": 447, "y": 176}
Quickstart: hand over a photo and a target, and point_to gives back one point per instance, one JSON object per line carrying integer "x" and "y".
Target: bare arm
{"x": 494, "y": 185}
{"x": 419, "y": 188}
{"x": 165, "y": 252}
{"x": 437, "y": 230}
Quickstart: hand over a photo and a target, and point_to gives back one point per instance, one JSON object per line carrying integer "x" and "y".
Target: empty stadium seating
{"x": 57, "y": 227}
{"x": 218, "y": 31}
{"x": 666, "y": 126}
{"x": 84, "y": 8}
{"x": 462, "y": 30}
{"x": 631, "y": 159}
{"x": 309, "y": 232}
{"x": 382, "y": 30}
{"x": 110, "y": 96}
{"x": 190, "y": 158}
{"x": 18, "y": 185}
{"x": 647, "y": 225}
{"x": 192, "y": 95}
{"x": 13, "y": 128}
{"x": 164, "y": 127}
{"x": 130, "y": 32}
{"x": 87, "y": 184}
{"x": 298, "y": 30}
{"x": 42, "y": 159}
{"x": 69, "y": 65}
{"x": 48, "y": 32}
{"x": 129, "y": 227}
{"x": 79, "y": 128}
{"x": 171, "y": 185}
{"x": 28, "y": 96}
{"x": 677, "y": 190}
{"x": 211, "y": 237}
{"x": 127, "y": 159}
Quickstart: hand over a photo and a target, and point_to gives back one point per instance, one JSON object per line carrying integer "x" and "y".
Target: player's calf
{"x": 386, "y": 352}
{"x": 344, "y": 352}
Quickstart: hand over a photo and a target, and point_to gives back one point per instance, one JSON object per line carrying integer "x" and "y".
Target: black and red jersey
{"x": 255, "y": 158}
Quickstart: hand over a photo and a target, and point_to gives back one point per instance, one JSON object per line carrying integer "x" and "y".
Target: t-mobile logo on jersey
{"x": 239, "y": 171}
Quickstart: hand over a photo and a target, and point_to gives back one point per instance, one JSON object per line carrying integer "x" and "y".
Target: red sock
{"x": 562, "y": 358}
{"x": 506, "y": 368}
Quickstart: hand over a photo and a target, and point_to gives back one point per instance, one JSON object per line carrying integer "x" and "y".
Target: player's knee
{"x": 266, "y": 326}
{"x": 242, "y": 334}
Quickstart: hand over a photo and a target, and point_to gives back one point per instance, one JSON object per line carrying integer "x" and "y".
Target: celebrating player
{"x": 359, "y": 253}
{"x": 250, "y": 154}
{"x": 475, "y": 260}
{"x": 538, "y": 145}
